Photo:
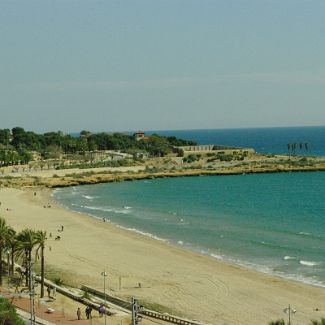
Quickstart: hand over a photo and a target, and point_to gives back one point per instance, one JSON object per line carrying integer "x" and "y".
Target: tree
{"x": 8, "y": 314}
{"x": 13, "y": 245}
{"x": 3, "y": 240}
{"x": 27, "y": 241}
{"x": 11, "y": 237}
{"x": 40, "y": 240}
{"x": 5, "y": 136}
{"x": 157, "y": 146}
{"x": 306, "y": 146}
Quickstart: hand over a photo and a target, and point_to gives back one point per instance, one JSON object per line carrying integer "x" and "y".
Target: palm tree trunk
{"x": 27, "y": 268}
{"x": 42, "y": 272}
{"x": 0, "y": 265}
{"x": 12, "y": 266}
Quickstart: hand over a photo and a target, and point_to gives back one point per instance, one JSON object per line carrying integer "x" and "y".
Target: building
{"x": 140, "y": 135}
{"x": 211, "y": 148}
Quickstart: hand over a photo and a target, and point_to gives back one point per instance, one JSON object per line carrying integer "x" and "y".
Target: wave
{"x": 143, "y": 233}
{"x": 89, "y": 197}
{"x": 110, "y": 209}
{"x": 302, "y": 233}
{"x": 288, "y": 257}
{"x": 218, "y": 257}
{"x": 308, "y": 263}
{"x": 96, "y": 208}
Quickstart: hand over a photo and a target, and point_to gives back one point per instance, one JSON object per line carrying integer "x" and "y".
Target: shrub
{"x": 8, "y": 314}
{"x": 278, "y": 322}
{"x": 86, "y": 295}
{"x": 58, "y": 281}
{"x": 191, "y": 158}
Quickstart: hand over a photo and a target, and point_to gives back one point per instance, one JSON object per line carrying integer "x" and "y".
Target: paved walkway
{"x": 57, "y": 317}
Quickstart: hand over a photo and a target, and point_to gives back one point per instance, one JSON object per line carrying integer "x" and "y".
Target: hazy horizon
{"x": 73, "y": 132}
{"x": 161, "y": 65}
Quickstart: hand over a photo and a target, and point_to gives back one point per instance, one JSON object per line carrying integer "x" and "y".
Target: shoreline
{"x": 50, "y": 179}
{"x": 223, "y": 259}
{"x": 186, "y": 283}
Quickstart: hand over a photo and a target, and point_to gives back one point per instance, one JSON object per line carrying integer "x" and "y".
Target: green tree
{"x": 40, "y": 242}
{"x": 13, "y": 246}
{"x": 27, "y": 241}
{"x": 306, "y": 146}
{"x": 157, "y": 146}
{"x": 4, "y": 229}
{"x": 8, "y": 314}
{"x": 289, "y": 146}
{"x": 5, "y": 136}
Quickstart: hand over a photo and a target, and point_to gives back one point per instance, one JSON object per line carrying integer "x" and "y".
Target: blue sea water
{"x": 263, "y": 140}
{"x": 274, "y": 223}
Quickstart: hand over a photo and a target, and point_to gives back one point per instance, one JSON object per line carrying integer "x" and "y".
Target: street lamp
{"x": 104, "y": 274}
{"x": 31, "y": 293}
{"x": 7, "y": 252}
{"x": 289, "y": 310}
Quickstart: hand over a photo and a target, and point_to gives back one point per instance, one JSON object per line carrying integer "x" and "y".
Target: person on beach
{"x": 101, "y": 310}
{"x": 48, "y": 291}
{"x": 88, "y": 312}
{"x": 78, "y": 313}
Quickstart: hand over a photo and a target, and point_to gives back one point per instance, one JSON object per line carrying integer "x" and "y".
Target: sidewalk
{"x": 43, "y": 317}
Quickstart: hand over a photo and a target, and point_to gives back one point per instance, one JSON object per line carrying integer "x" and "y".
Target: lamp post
{"x": 104, "y": 274}
{"x": 31, "y": 293}
{"x": 289, "y": 310}
{"x": 7, "y": 251}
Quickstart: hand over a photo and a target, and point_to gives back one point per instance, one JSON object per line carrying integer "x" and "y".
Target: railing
{"x": 142, "y": 311}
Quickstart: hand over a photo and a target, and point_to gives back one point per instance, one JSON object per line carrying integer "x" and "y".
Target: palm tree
{"x": 14, "y": 248}
{"x": 3, "y": 241}
{"x": 306, "y": 146}
{"x": 27, "y": 241}
{"x": 10, "y": 243}
{"x": 40, "y": 239}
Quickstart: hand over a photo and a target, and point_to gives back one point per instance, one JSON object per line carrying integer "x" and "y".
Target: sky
{"x": 120, "y": 65}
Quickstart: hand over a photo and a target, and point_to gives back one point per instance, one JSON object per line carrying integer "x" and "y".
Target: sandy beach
{"x": 186, "y": 283}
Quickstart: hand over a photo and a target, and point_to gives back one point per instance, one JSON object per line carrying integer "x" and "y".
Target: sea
{"x": 273, "y": 223}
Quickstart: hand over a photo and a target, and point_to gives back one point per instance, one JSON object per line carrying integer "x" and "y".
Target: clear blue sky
{"x": 161, "y": 64}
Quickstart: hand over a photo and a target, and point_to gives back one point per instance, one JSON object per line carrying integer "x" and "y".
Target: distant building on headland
{"x": 209, "y": 148}
{"x": 140, "y": 135}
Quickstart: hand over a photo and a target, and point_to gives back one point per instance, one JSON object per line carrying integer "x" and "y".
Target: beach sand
{"x": 188, "y": 284}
